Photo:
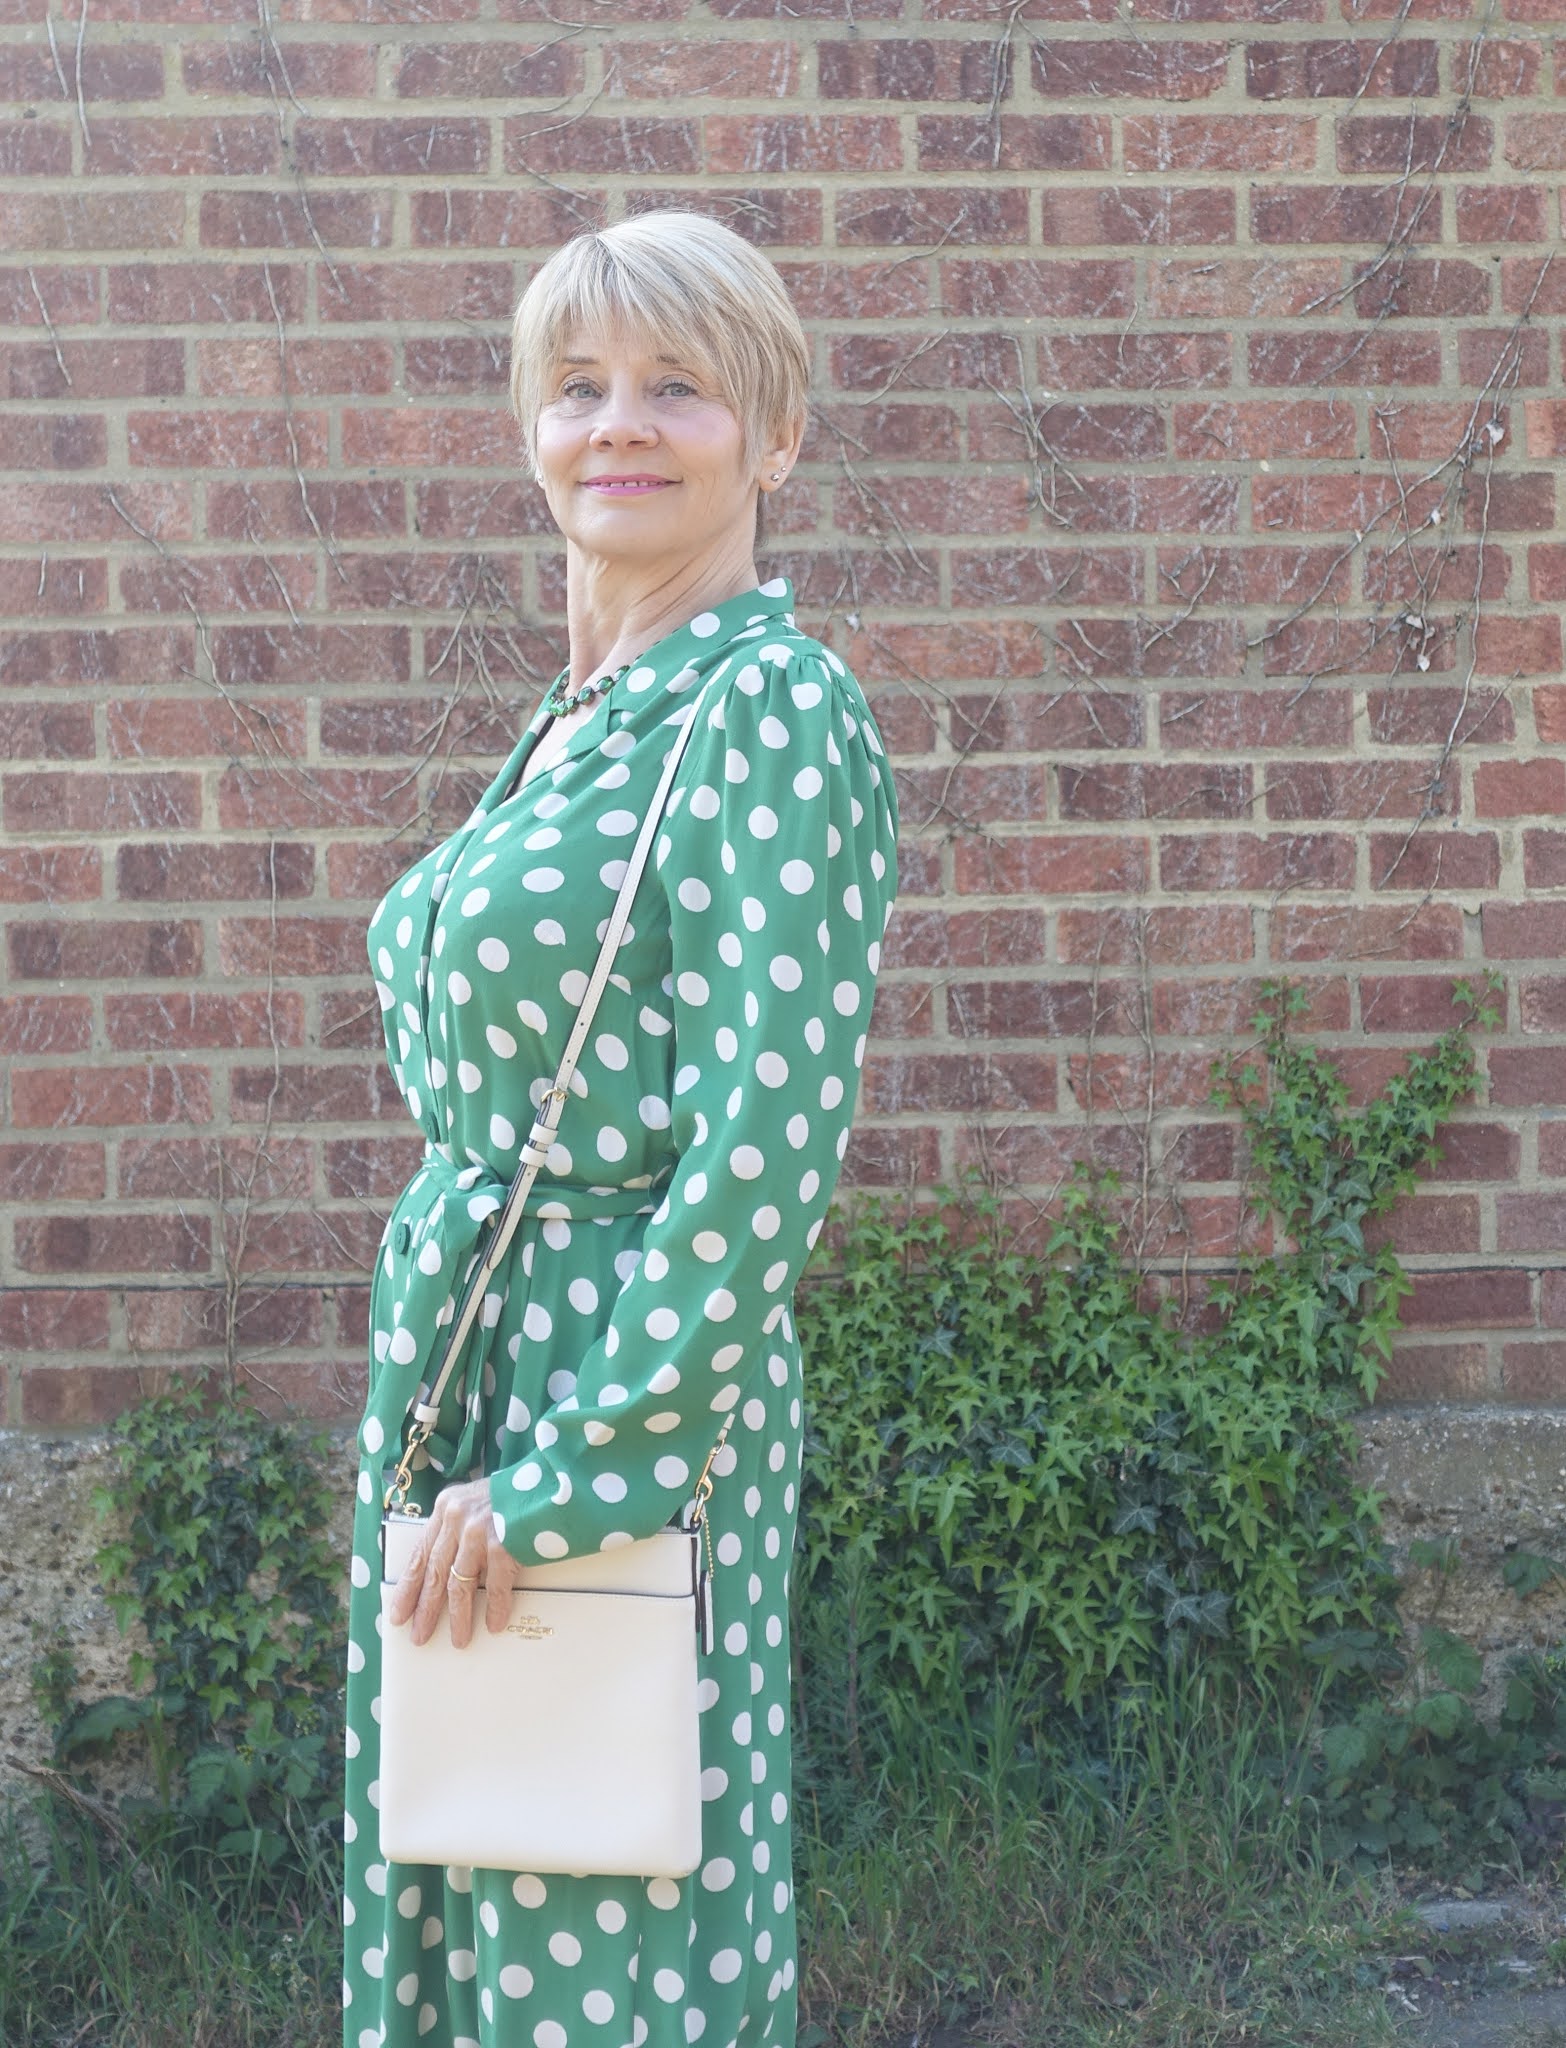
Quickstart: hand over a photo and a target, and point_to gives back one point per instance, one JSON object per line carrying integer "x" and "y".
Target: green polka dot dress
{"x": 646, "y": 1294}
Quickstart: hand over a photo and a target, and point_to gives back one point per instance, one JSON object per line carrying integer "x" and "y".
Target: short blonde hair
{"x": 689, "y": 284}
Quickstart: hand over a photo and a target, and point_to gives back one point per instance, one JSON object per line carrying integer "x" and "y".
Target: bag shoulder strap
{"x": 535, "y": 1150}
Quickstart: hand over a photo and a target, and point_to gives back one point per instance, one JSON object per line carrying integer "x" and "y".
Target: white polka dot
{"x": 726, "y": 1965}
{"x": 598, "y": 2006}
{"x": 718, "y": 1874}
{"x": 549, "y": 1542}
{"x": 845, "y": 998}
{"x": 529, "y": 1891}
{"x": 704, "y": 625}
{"x": 669, "y": 1985}
{"x": 663, "y": 1893}
{"x": 609, "y": 1485}
{"x": 462, "y": 1963}
{"x": 671, "y": 1472}
{"x": 516, "y": 1981}
{"x": 763, "y": 822}
{"x": 746, "y": 1162}
{"x": 475, "y": 901}
{"x": 494, "y": 954}
{"x": 542, "y": 879}
{"x": 610, "y": 1916}
{"x": 550, "y": 2034}
{"x": 565, "y": 1948}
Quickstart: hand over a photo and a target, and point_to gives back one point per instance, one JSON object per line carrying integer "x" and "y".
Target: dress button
{"x": 404, "y": 1236}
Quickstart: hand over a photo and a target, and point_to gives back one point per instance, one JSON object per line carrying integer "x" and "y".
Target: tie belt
{"x": 429, "y": 1248}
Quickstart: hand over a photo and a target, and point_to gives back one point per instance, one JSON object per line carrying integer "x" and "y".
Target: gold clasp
{"x": 704, "y": 1483}
{"x": 418, "y": 1437}
{"x": 704, "y": 1490}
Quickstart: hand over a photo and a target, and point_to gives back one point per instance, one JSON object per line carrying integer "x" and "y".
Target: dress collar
{"x": 692, "y": 643}
{"x": 711, "y": 629}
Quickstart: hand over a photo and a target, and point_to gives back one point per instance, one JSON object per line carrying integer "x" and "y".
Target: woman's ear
{"x": 781, "y": 457}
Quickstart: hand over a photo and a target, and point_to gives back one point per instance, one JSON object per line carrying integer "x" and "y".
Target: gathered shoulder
{"x": 787, "y": 674}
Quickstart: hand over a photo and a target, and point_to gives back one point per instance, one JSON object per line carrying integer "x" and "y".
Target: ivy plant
{"x": 219, "y": 1554}
{"x": 1023, "y": 1472}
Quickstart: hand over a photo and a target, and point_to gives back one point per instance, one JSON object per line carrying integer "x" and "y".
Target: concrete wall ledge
{"x": 1493, "y": 1479}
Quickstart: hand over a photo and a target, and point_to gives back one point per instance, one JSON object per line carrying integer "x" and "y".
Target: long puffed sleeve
{"x": 778, "y": 862}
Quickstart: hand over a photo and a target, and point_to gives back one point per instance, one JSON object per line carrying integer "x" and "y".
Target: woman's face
{"x": 640, "y": 455}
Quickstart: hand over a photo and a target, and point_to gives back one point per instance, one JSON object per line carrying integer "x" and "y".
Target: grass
{"x": 101, "y": 1947}
{"x": 1151, "y": 1889}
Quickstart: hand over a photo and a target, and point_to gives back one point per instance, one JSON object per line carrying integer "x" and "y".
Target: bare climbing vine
{"x": 490, "y": 658}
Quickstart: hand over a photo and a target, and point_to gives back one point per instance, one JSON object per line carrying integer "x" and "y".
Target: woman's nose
{"x": 622, "y": 413}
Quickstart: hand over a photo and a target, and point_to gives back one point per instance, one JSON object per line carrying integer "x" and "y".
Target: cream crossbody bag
{"x": 569, "y": 1742}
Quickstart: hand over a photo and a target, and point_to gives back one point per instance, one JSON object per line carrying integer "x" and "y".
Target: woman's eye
{"x": 573, "y": 385}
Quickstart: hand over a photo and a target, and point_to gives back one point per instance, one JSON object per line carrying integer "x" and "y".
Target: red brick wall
{"x": 1183, "y": 487}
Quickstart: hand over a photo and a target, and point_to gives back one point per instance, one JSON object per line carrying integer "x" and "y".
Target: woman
{"x": 659, "y": 373}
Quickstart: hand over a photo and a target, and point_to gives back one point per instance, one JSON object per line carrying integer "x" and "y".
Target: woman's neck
{"x": 612, "y": 617}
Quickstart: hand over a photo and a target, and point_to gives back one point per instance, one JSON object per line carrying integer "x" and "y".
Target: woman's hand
{"x": 460, "y": 1537}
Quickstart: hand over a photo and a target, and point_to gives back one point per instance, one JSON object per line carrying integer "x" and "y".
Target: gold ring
{"x": 462, "y": 1576}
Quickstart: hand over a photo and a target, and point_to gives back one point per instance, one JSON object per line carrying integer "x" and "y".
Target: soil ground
{"x": 1501, "y": 1985}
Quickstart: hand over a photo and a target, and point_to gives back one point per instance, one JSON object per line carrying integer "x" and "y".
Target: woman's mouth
{"x": 633, "y": 487}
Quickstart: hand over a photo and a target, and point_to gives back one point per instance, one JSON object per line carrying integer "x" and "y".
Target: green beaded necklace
{"x": 560, "y": 702}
